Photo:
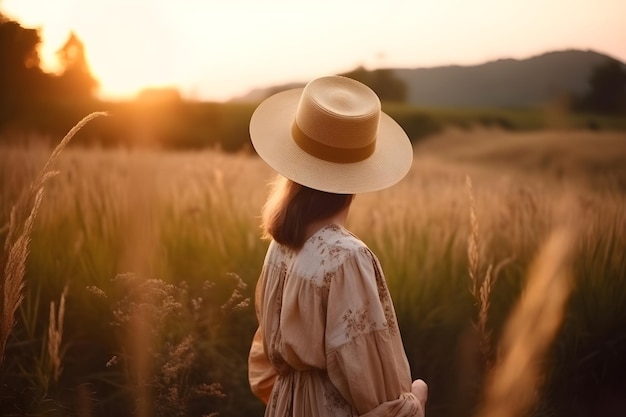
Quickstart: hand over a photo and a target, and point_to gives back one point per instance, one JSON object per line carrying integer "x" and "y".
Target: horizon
{"x": 218, "y": 53}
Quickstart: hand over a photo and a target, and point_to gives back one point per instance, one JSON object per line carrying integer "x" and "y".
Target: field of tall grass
{"x": 504, "y": 253}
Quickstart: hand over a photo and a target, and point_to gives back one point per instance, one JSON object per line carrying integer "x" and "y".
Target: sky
{"x": 218, "y": 50}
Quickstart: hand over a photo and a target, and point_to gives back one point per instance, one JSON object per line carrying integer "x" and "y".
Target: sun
{"x": 200, "y": 48}
{"x": 138, "y": 50}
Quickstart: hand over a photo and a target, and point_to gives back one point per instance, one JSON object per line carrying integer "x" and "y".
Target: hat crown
{"x": 338, "y": 113}
{"x": 332, "y": 136}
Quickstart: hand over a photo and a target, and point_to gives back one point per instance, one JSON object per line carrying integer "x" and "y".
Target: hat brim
{"x": 270, "y": 132}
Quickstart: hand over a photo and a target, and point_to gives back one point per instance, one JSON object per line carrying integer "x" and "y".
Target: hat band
{"x": 330, "y": 153}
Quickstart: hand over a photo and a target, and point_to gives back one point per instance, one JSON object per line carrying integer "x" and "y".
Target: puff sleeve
{"x": 261, "y": 374}
{"x": 364, "y": 352}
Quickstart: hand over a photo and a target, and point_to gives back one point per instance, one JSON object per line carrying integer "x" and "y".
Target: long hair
{"x": 291, "y": 207}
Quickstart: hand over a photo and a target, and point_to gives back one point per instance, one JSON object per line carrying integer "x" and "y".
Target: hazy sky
{"x": 219, "y": 49}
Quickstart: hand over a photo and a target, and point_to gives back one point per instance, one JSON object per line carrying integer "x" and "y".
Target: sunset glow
{"x": 217, "y": 50}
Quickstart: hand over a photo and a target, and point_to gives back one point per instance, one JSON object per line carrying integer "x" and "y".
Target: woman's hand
{"x": 420, "y": 390}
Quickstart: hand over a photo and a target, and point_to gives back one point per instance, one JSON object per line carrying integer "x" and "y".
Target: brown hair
{"x": 291, "y": 207}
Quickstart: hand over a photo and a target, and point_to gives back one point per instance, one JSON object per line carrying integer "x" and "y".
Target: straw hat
{"x": 332, "y": 136}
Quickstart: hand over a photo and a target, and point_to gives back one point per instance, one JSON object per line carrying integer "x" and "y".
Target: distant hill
{"x": 501, "y": 83}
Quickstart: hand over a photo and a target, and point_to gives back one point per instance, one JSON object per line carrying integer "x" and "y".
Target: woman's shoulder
{"x": 328, "y": 247}
{"x": 335, "y": 241}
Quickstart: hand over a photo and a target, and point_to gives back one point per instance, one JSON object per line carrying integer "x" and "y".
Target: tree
{"x": 383, "y": 81}
{"x": 21, "y": 79}
{"x": 607, "y": 93}
{"x": 28, "y": 95}
{"x": 76, "y": 81}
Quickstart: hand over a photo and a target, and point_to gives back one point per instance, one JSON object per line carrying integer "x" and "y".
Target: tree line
{"x": 33, "y": 99}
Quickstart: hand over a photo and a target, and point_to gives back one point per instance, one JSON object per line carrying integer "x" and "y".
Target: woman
{"x": 328, "y": 342}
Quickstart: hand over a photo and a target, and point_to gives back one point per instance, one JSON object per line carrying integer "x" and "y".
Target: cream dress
{"x": 328, "y": 342}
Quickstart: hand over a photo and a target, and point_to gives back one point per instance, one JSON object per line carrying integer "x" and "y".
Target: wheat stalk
{"x": 481, "y": 287}
{"x": 472, "y": 241}
{"x": 16, "y": 244}
{"x": 14, "y": 271}
{"x": 66, "y": 139}
{"x": 55, "y": 335}
{"x": 512, "y": 385}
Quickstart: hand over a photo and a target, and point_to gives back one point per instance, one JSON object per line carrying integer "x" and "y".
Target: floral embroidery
{"x": 358, "y": 322}
{"x": 282, "y": 276}
{"x": 276, "y": 359}
{"x": 336, "y": 405}
{"x": 274, "y": 356}
{"x": 383, "y": 295}
{"x": 328, "y": 277}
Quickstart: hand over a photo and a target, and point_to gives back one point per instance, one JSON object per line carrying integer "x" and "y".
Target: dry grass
{"x": 14, "y": 270}
{"x": 188, "y": 217}
{"x": 515, "y": 381}
{"x": 55, "y": 336}
{"x": 482, "y": 283}
{"x": 481, "y": 286}
{"x": 16, "y": 244}
{"x": 586, "y": 158}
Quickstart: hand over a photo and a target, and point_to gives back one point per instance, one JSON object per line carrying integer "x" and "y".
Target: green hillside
{"x": 502, "y": 83}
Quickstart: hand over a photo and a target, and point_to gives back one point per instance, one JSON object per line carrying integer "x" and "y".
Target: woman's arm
{"x": 261, "y": 374}
{"x": 365, "y": 356}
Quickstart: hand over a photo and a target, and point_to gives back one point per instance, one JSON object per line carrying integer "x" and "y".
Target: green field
{"x": 159, "y": 251}
{"x": 184, "y": 125}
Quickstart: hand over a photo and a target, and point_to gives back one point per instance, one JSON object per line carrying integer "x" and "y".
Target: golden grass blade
{"x": 14, "y": 271}
{"x": 16, "y": 246}
{"x": 10, "y": 228}
{"x": 66, "y": 139}
{"x": 481, "y": 286}
{"x": 55, "y": 335}
{"x": 472, "y": 242}
{"x": 512, "y": 385}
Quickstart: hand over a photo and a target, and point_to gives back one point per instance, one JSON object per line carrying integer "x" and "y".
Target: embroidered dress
{"x": 328, "y": 342}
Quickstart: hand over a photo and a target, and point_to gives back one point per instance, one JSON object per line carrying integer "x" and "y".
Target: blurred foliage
{"x": 607, "y": 92}
{"x": 25, "y": 87}
{"x": 176, "y": 124}
{"x": 383, "y": 81}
